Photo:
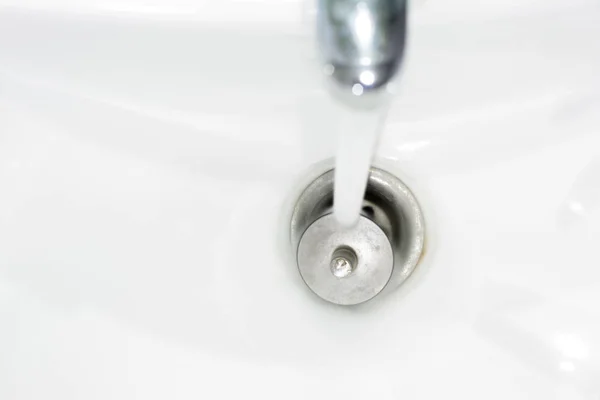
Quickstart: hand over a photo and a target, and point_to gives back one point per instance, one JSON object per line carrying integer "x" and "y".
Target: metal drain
{"x": 353, "y": 265}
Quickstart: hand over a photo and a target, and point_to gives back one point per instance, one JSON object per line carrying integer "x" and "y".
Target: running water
{"x": 362, "y": 46}
{"x": 359, "y": 128}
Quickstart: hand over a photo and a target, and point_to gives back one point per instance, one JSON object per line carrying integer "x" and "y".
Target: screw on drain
{"x": 343, "y": 262}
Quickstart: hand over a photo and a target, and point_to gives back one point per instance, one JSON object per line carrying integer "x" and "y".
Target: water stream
{"x": 361, "y": 122}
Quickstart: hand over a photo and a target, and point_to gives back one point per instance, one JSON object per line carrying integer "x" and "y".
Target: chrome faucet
{"x": 361, "y": 41}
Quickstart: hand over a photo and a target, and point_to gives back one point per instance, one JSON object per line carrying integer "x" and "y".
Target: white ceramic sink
{"x": 149, "y": 155}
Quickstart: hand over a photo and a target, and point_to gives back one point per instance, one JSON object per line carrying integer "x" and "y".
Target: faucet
{"x": 361, "y": 41}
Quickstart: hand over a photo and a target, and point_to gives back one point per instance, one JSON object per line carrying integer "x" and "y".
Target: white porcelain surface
{"x": 149, "y": 151}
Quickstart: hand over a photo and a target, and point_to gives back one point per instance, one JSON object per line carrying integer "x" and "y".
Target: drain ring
{"x": 388, "y": 203}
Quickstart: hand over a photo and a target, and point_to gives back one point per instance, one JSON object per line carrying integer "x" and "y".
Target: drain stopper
{"x": 345, "y": 266}
{"x": 349, "y": 266}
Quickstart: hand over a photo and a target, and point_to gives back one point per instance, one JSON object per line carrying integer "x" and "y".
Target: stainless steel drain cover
{"x": 345, "y": 266}
{"x": 351, "y": 266}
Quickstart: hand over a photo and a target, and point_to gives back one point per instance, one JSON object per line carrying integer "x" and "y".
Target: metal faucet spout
{"x": 362, "y": 41}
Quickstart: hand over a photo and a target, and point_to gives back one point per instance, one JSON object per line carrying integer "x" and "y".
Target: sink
{"x": 150, "y": 154}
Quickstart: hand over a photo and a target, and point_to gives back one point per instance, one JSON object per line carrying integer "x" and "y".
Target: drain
{"x": 348, "y": 266}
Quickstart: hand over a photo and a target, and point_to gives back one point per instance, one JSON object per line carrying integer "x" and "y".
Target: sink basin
{"x": 150, "y": 152}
